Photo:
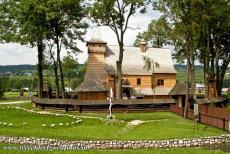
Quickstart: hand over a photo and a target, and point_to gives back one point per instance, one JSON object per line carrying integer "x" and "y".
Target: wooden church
{"x": 138, "y": 83}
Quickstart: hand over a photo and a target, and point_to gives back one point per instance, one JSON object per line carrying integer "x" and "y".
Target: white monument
{"x": 110, "y": 103}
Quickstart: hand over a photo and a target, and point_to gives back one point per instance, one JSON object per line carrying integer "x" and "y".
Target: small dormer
{"x": 143, "y": 45}
{"x": 96, "y": 44}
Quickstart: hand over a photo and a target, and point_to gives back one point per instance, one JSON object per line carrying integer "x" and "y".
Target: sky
{"x": 15, "y": 54}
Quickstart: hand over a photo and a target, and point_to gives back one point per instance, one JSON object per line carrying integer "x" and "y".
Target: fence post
{"x": 229, "y": 125}
{"x": 224, "y": 124}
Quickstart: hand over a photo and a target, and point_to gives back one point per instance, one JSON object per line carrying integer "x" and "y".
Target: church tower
{"x": 96, "y": 61}
{"x": 94, "y": 86}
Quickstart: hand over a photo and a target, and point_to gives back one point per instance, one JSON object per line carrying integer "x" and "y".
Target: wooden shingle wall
{"x": 146, "y": 81}
{"x": 96, "y": 67}
{"x": 169, "y": 79}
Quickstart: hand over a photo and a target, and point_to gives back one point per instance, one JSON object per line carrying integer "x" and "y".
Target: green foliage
{"x": 36, "y": 22}
{"x": 157, "y": 35}
{"x": 75, "y": 82}
{"x": 200, "y": 31}
{"x": 114, "y": 14}
{"x": 66, "y": 22}
{"x": 28, "y": 21}
{"x": 3, "y": 85}
{"x": 19, "y": 82}
{"x": 227, "y": 96}
{"x": 69, "y": 65}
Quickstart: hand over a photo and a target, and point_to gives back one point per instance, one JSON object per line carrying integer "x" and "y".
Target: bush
{"x": 3, "y": 85}
{"x": 227, "y": 96}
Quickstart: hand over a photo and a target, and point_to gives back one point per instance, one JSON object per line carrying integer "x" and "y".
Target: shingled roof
{"x": 91, "y": 86}
{"x": 96, "y": 37}
{"x": 179, "y": 88}
{"x": 133, "y": 63}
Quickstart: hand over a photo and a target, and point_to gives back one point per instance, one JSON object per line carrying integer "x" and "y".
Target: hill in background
{"x": 17, "y": 68}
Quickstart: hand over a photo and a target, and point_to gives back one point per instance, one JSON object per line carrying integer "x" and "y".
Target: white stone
{"x": 180, "y": 141}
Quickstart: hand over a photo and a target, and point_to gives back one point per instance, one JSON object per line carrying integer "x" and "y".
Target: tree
{"x": 81, "y": 69}
{"x": 140, "y": 36}
{"x": 3, "y": 85}
{"x": 27, "y": 25}
{"x": 67, "y": 24}
{"x": 182, "y": 16}
{"x": 157, "y": 35}
{"x": 70, "y": 67}
{"x": 116, "y": 15}
{"x": 200, "y": 31}
{"x": 33, "y": 22}
{"x": 52, "y": 64}
{"x": 214, "y": 23}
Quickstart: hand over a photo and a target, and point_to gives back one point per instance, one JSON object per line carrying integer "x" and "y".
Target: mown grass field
{"x": 15, "y": 96}
{"x": 94, "y": 126}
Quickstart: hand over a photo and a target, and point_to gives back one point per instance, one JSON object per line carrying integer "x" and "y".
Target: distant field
{"x": 15, "y": 96}
{"x": 182, "y": 76}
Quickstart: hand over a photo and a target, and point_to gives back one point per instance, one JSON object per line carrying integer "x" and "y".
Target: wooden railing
{"x": 98, "y": 105}
{"x": 101, "y": 102}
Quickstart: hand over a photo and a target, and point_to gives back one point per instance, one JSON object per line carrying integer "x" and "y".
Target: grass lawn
{"x": 157, "y": 125}
{"x": 7, "y": 100}
{"x": 138, "y": 151}
{"x": 14, "y": 96}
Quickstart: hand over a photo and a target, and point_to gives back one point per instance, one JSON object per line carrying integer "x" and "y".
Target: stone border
{"x": 115, "y": 144}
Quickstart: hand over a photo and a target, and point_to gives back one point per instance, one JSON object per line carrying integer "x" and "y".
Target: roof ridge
{"x": 139, "y": 47}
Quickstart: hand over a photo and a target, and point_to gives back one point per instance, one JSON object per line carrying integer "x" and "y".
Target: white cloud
{"x": 12, "y": 54}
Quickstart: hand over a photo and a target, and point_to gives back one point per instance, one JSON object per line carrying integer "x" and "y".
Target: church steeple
{"x": 96, "y": 44}
{"x": 96, "y": 61}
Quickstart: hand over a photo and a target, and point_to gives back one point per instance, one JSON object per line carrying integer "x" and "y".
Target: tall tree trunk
{"x": 207, "y": 60}
{"x": 69, "y": 80}
{"x": 119, "y": 70}
{"x": 158, "y": 41}
{"x": 223, "y": 68}
{"x": 212, "y": 56}
{"x": 192, "y": 68}
{"x": 59, "y": 62}
{"x": 187, "y": 86}
{"x": 56, "y": 79}
{"x": 217, "y": 68}
{"x": 61, "y": 72}
{"x": 40, "y": 48}
{"x": 55, "y": 69}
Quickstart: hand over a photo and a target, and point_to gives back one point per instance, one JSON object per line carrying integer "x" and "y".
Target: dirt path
{"x": 9, "y": 103}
